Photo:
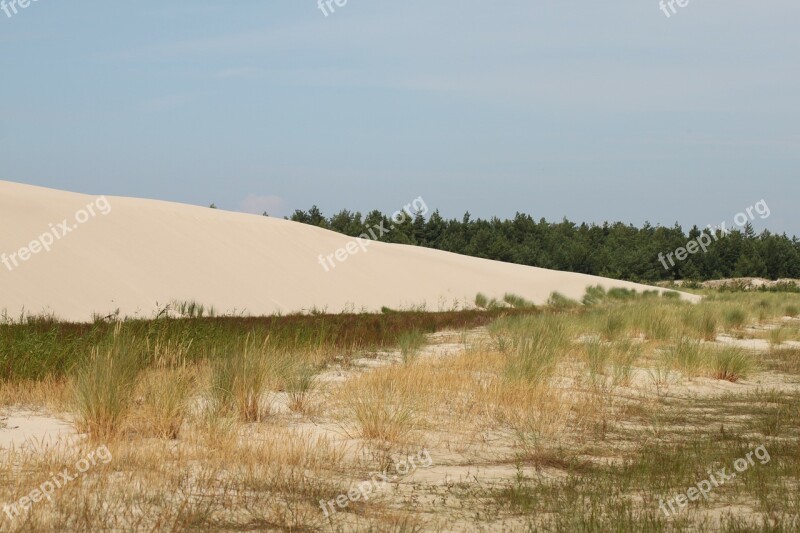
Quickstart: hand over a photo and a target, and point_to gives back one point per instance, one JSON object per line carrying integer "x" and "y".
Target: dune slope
{"x": 76, "y": 255}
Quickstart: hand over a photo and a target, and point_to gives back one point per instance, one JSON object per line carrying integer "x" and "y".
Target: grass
{"x": 240, "y": 380}
{"x": 537, "y": 345}
{"x": 518, "y": 302}
{"x": 624, "y": 355}
{"x": 410, "y": 342}
{"x": 384, "y": 404}
{"x": 560, "y": 418}
{"x": 689, "y": 357}
{"x": 39, "y": 347}
{"x": 627, "y": 497}
{"x": 731, "y": 364}
{"x": 707, "y": 326}
{"x": 164, "y": 396}
{"x": 300, "y": 384}
{"x": 560, "y": 302}
{"x": 103, "y": 387}
{"x": 735, "y": 318}
{"x": 614, "y": 324}
{"x": 597, "y": 359}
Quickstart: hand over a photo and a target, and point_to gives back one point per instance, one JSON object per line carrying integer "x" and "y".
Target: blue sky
{"x": 591, "y": 110}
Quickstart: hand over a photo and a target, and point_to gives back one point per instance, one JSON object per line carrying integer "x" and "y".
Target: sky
{"x": 592, "y": 111}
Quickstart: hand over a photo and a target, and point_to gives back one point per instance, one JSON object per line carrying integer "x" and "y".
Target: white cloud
{"x": 257, "y": 204}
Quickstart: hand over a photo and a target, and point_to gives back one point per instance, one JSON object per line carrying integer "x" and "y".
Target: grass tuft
{"x": 103, "y": 387}
{"x": 731, "y": 364}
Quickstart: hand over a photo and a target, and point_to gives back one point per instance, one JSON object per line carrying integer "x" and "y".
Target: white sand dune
{"x": 144, "y": 254}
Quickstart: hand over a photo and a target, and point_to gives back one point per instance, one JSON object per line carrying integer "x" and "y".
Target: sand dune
{"x": 76, "y": 255}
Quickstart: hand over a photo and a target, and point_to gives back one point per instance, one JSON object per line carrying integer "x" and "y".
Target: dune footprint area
{"x": 169, "y": 367}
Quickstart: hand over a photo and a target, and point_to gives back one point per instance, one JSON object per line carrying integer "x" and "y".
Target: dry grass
{"x": 162, "y": 399}
{"x": 387, "y": 404}
{"x": 575, "y": 419}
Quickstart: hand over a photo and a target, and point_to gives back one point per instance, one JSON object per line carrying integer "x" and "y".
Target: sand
{"x": 27, "y": 430}
{"x": 136, "y": 256}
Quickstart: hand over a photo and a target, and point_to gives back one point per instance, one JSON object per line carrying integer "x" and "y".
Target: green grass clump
{"x": 537, "y": 344}
{"x": 624, "y": 355}
{"x": 731, "y": 364}
{"x": 299, "y": 381}
{"x": 410, "y": 342}
{"x": 613, "y": 325}
{"x": 560, "y": 302}
{"x": 619, "y": 293}
{"x": 688, "y": 356}
{"x": 240, "y": 380}
{"x": 598, "y": 355}
{"x": 517, "y": 302}
{"x": 594, "y": 295}
{"x": 193, "y": 309}
{"x": 777, "y": 336}
{"x": 656, "y": 323}
{"x": 705, "y": 325}
{"x": 735, "y": 318}
{"x": 481, "y": 301}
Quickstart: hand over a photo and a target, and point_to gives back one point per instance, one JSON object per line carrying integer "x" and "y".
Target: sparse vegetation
{"x": 410, "y": 342}
{"x": 517, "y": 302}
{"x": 589, "y": 415}
{"x": 731, "y": 364}
{"x": 103, "y": 387}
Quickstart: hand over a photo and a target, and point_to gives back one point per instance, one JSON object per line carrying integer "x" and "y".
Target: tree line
{"x": 614, "y": 250}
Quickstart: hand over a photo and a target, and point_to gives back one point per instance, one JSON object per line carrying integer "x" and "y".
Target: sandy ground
{"x": 459, "y": 458}
{"x": 137, "y": 256}
{"x": 28, "y": 430}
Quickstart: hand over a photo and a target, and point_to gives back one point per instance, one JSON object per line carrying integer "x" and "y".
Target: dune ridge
{"x": 143, "y": 254}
